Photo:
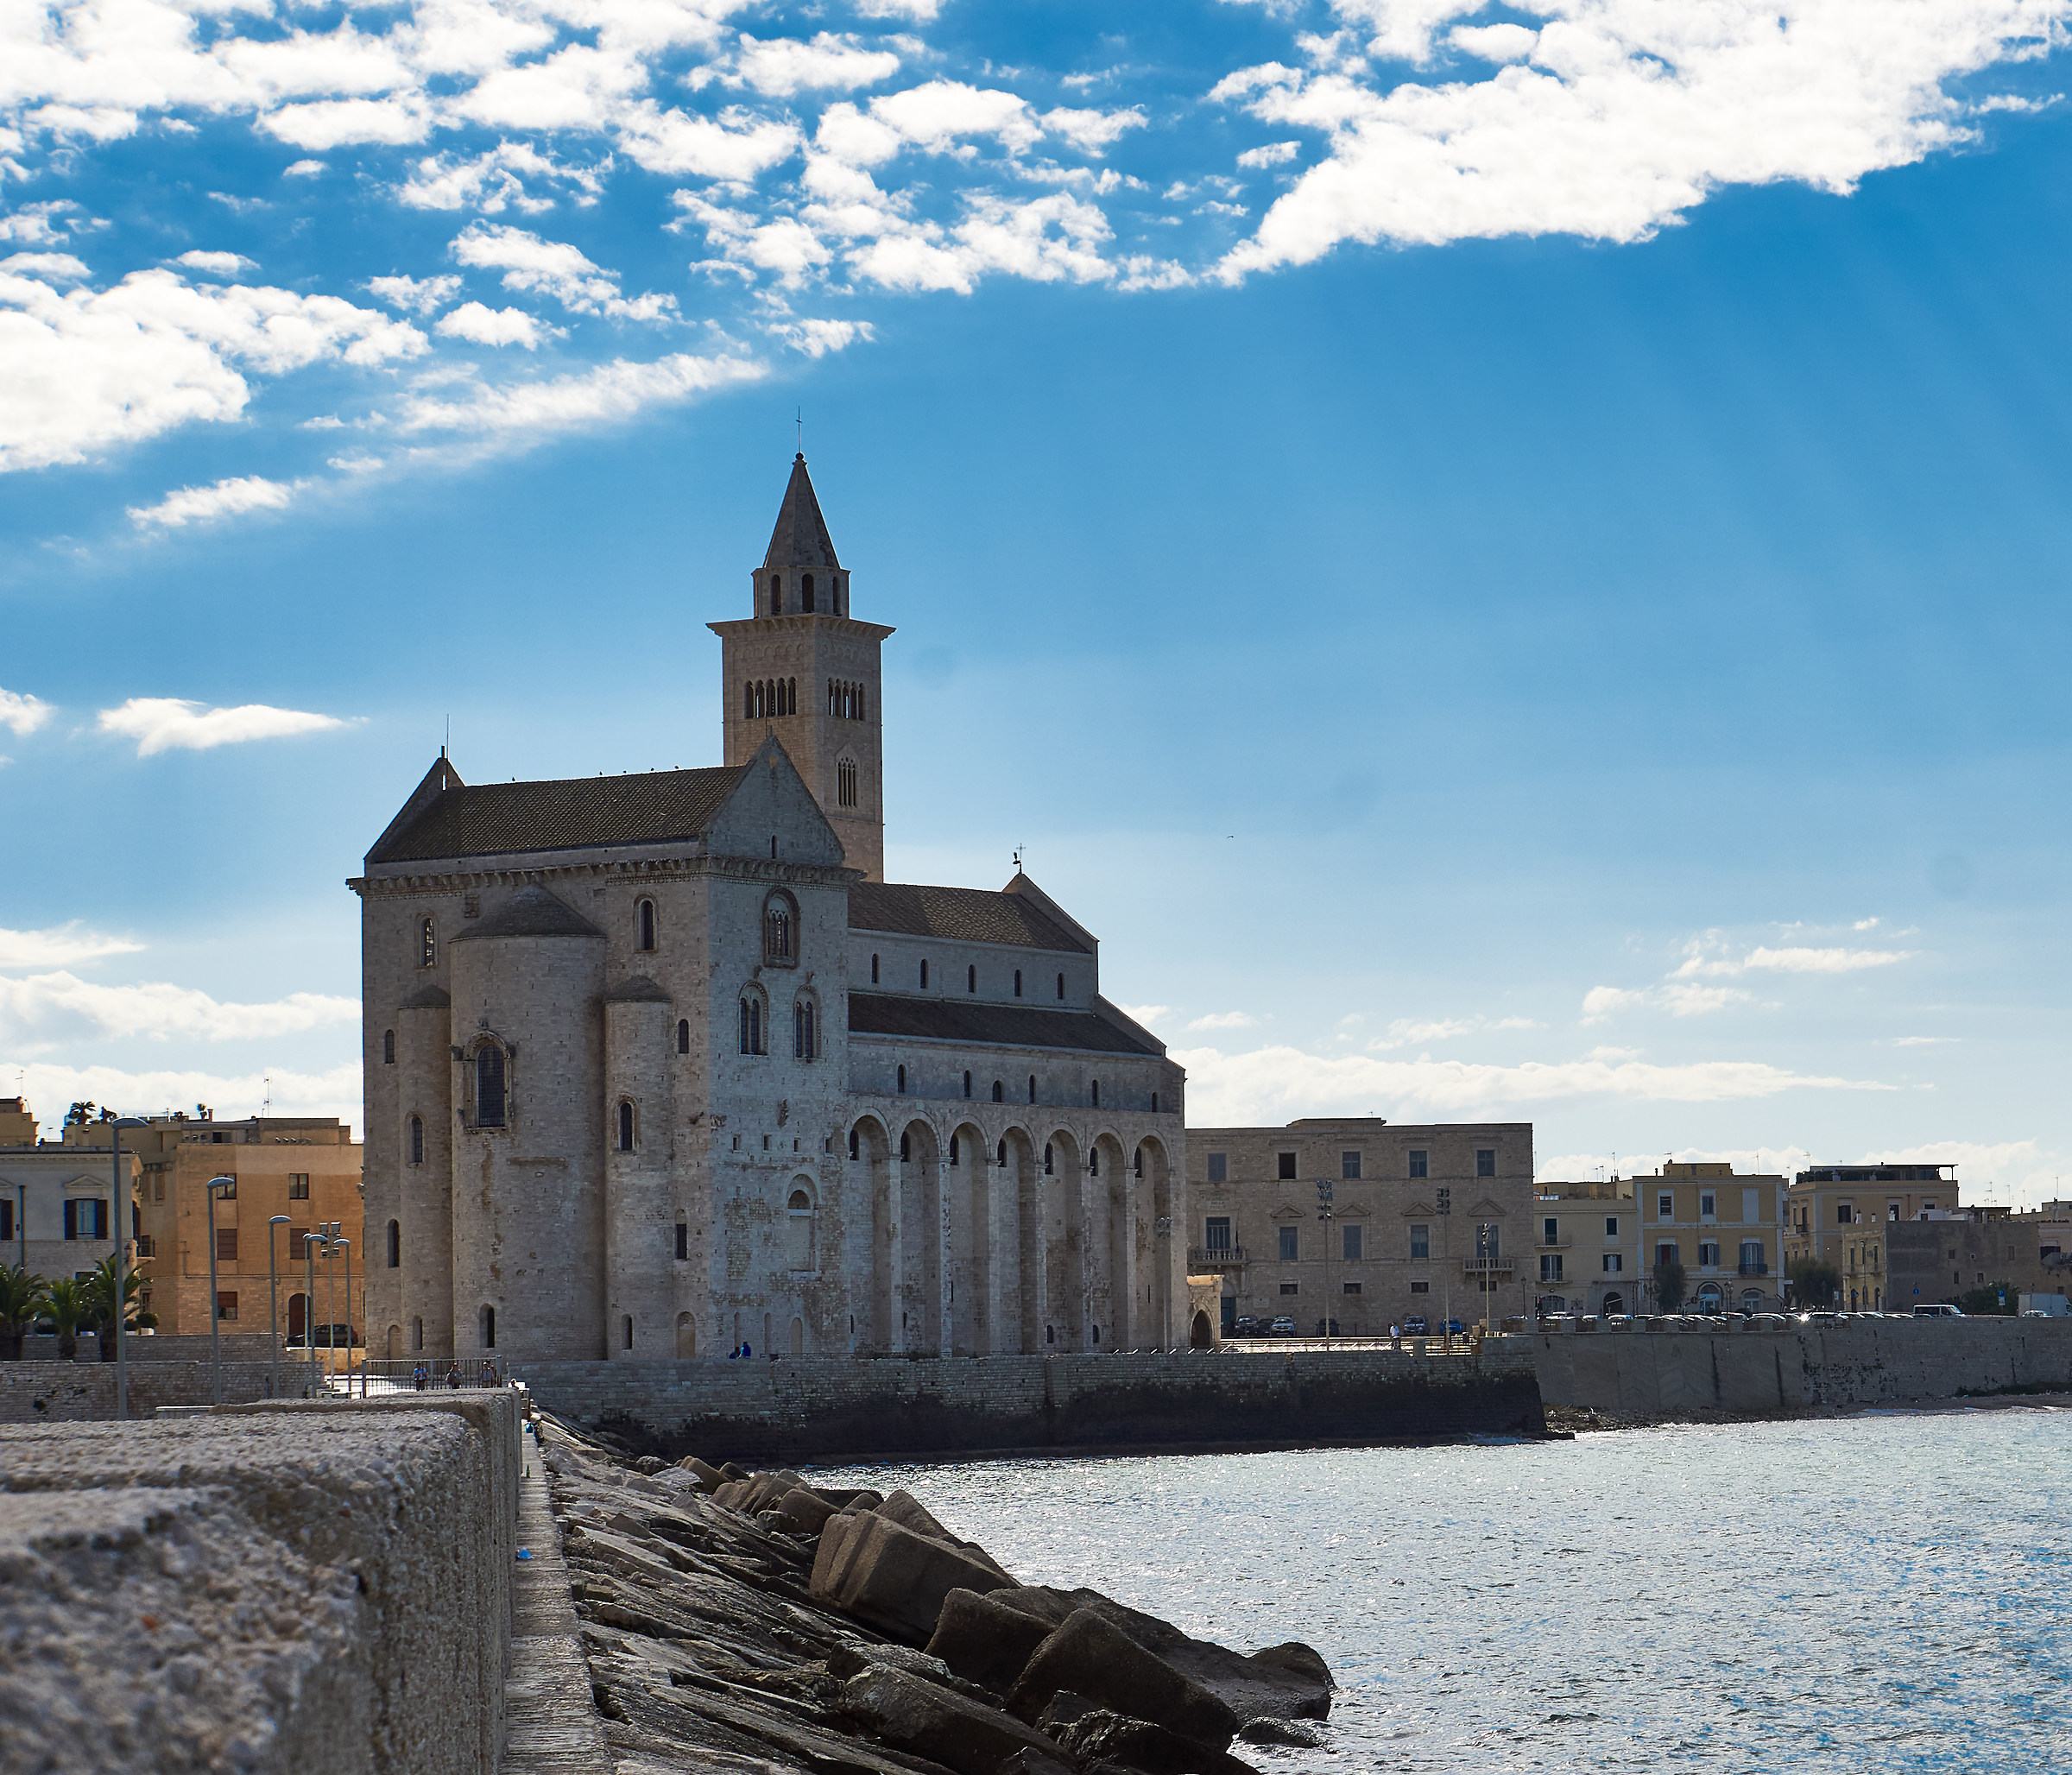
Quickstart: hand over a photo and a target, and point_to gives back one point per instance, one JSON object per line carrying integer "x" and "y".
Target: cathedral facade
{"x": 657, "y": 1065}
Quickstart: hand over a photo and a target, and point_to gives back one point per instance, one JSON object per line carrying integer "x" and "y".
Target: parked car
{"x": 1454, "y": 1328}
{"x": 1416, "y": 1326}
{"x": 339, "y": 1336}
{"x": 1937, "y": 1310}
{"x": 1283, "y": 1327}
{"x": 1246, "y": 1326}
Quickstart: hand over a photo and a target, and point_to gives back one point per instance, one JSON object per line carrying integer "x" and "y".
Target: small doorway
{"x": 1202, "y": 1336}
{"x": 1612, "y": 1303}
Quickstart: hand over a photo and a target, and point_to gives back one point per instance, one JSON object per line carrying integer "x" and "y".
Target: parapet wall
{"x": 815, "y": 1407}
{"x": 318, "y": 1588}
{"x": 81, "y": 1392}
{"x": 1655, "y": 1373}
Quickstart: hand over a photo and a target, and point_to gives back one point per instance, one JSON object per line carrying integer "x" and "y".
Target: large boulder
{"x": 869, "y": 1567}
{"x": 1100, "y": 1739}
{"x": 709, "y": 1477}
{"x": 804, "y": 1512}
{"x": 926, "y": 1720}
{"x": 983, "y": 1640}
{"x": 1094, "y": 1658}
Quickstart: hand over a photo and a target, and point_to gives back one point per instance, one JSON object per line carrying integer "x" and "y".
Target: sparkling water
{"x": 1875, "y": 1593}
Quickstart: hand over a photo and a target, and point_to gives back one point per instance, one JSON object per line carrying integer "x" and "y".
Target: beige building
{"x": 1832, "y": 1211}
{"x": 659, "y": 1065}
{"x": 58, "y": 1213}
{"x": 1427, "y": 1221}
{"x": 1725, "y": 1228}
{"x": 1586, "y": 1249}
{"x": 304, "y": 1168}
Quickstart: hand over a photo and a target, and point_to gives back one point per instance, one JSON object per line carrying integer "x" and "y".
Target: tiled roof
{"x": 800, "y": 538}
{"x": 531, "y": 911}
{"x": 992, "y": 1026}
{"x": 639, "y": 989}
{"x": 427, "y": 998}
{"x": 493, "y": 818}
{"x": 969, "y": 915}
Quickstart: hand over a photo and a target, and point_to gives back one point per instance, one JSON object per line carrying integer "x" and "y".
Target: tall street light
{"x": 218, "y": 1186}
{"x": 1323, "y": 1214}
{"x": 121, "y": 1230}
{"x": 345, "y": 1244}
{"x": 272, "y": 1305}
{"x": 310, "y": 1242}
{"x": 331, "y": 1295}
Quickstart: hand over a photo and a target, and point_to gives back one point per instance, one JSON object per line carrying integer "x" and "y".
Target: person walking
{"x": 421, "y": 1376}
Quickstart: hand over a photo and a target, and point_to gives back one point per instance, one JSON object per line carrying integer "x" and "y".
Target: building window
{"x": 1550, "y": 1267}
{"x": 806, "y": 594}
{"x": 1216, "y": 1232}
{"x": 1752, "y": 1257}
{"x": 805, "y": 1037}
{"x": 230, "y": 1190}
{"x": 1093, "y": 1163}
{"x": 1420, "y": 1242}
{"x": 297, "y": 1186}
{"x": 1017, "y": 983}
{"x": 7, "y": 1225}
{"x": 845, "y": 782}
{"x": 1154, "y": 1103}
{"x": 625, "y": 1127}
{"x": 1094, "y": 1097}
{"x": 776, "y": 606}
{"x": 1290, "y": 1239}
{"x": 1352, "y": 1287}
{"x": 1061, "y": 986}
{"x": 999, "y": 1091}
{"x": 799, "y": 1231}
{"x": 1284, "y": 1167}
{"x": 428, "y": 945}
{"x": 645, "y": 923}
{"x": 146, "y": 1245}
{"x": 87, "y": 1219}
{"x": 226, "y": 1306}
{"x": 1845, "y": 1214}
{"x": 1707, "y": 1205}
{"x": 1485, "y": 1161}
{"x": 1291, "y": 1287}
{"x": 855, "y": 1142}
{"x": 387, "y": 1047}
{"x": 902, "y": 1088}
{"x": 1348, "y": 1167}
{"x": 226, "y": 1245}
{"x": 1611, "y": 1225}
{"x": 489, "y": 1328}
{"x": 779, "y": 929}
{"x": 1665, "y": 1206}
{"x": 1421, "y": 1165}
{"x": 1708, "y": 1254}
{"x": 1219, "y": 1167}
{"x": 683, "y": 1035}
{"x": 417, "y": 1334}
{"x": 488, "y": 1087}
{"x": 396, "y": 1245}
{"x": 972, "y": 979}
{"x": 924, "y": 977}
{"x": 967, "y": 1084}
{"x": 1420, "y": 1287}
{"x": 1032, "y": 1087}
{"x": 683, "y": 1242}
{"x": 1355, "y": 1239}
{"x": 1612, "y": 1263}
{"x": 874, "y": 970}
{"x": 751, "y": 1024}
{"x": 955, "y": 1149}
{"x": 417, "y": 1140}
{"x": 905, "y": 1148}
{"x": 1551, "y": 1229}
{"x": 1666, "y": 1253}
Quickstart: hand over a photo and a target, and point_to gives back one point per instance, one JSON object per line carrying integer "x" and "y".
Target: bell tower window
{"x": 806, "y": 594}
{"x": 776, "y": 595}
{"x": 779, "y": 929}
{"x": 845, "y": 782}
{"x": 488, "y": 1087}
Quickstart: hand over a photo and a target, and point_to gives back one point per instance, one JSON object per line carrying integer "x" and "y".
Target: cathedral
{"x": 660, "y": 1066}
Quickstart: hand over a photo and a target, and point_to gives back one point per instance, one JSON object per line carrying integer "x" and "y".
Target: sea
{"x": 1879, "y": 1592}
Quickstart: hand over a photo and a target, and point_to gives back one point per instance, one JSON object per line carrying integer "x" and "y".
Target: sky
{"x": 1508, "y": 561}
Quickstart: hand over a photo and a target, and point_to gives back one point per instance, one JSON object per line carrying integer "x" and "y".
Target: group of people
{"x": 420, "y": 1376}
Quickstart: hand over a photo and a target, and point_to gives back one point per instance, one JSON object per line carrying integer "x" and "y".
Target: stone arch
{"x": 394, "y": 1342}
{"x": 1064, "y": 1257}
{"x": 969, "y": 1184}
{"x": 1111, "y": 1274}
{"x": 801, "y": 1218}
{"x": 1200, "y": 1334}
{"x": 686, "y": 1337}
{"x": 920, "y": 1241}
{"x": 876, "y": 1285}
{"x": 798, "y": 1336}
{"x": 1017, "y": 1181}
{"x": 1151, "y": 1169}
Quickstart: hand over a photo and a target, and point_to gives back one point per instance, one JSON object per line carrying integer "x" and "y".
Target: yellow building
{"x": 1601, "y": 1242}
{"x": 1584, "y": 1235}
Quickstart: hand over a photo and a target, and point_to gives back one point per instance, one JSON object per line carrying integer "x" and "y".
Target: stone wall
{"x": 1778, "y": 1370}
{"x": 320, "y": 1588}
{"x": 83, "y": 1393}
{"x": 812, "y": 1407}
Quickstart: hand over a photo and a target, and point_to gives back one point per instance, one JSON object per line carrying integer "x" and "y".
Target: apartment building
{"x": 1832, "y": 1212}
{"x": 1600, "y": 1243}
{"x": 1356, "y": 1224}
{"x": 59, "y": 1216}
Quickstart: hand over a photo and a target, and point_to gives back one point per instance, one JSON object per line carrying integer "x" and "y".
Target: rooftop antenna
{"x": 266, "y": 1103}
{"x": 1017, "y": 859}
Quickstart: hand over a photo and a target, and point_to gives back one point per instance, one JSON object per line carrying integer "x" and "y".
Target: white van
{"x": 1941, "y": 1310}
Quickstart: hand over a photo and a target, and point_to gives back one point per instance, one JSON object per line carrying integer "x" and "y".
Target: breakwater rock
{"x": 757, "y": 1617}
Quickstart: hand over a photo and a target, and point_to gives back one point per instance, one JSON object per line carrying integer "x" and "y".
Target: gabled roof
{"x": 966, "y": 914}
{"x": 988, "y": 1026}
{"x": 638, "y": 990}
{"x": 800, "y": 538}
{"x": 449, "y": 819}
{"x": 531, "y": 911}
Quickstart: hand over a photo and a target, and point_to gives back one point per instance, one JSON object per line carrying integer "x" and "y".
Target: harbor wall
{"x": 808, "y": 1407}
{"x": 1652, "y": 1370}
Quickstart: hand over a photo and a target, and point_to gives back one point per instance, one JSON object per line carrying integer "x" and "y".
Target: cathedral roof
{"x": 964, "y": 914}
{"x": 639, "y": 989}
{"x": 800, "y": 538}
{"x": 490, "y": 819}
{"x": 531, "y": 911}
{"x": 993, "y": 1026}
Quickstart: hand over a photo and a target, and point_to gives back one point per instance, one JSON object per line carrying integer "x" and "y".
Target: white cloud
{"x": 818, "y": 337}
{"x": 1145, "y": 1014}
{"x": 52, "y": 268}
{"x": 528, "y": 411}
{"x": 1762, "y": 959}
{"x": 61, "y": 1006}
{"x": 60, "y": 945}
{"x": 1408, "y": 1032}
{"x": 31, "y": 224}
{"x": 415, "y": 295}
{"x": 1274, "y": 153}
{"x": 919, "y": 12}
{"x": 22, "y": 713}
{"x": 494, "y": 327}
{"x": 1504, "y": 42}
{"x": 1092, "y": 131}
{"x": 334, "y": 123}
{"x": 1679, "y": 998}
{"x": 337, "y": 1092}
{"x": 1923, "y": 1041}
{"x": 779, "y": 66}
{"x": 1276, "y": 1084}
{"x": 304, "y": 169}
{"x": 216, "y": 264}
{"x": 1627, "y": 116}
{"x": 554, "y": 269}
{"x": 358, "y": 464}
{"x": 172, "y": 724}
{"x": 496, "y": 178}
{"x": 1224, "y": 1019}
{"x": 223, "y": 499}
{"x": 735, "y": 148}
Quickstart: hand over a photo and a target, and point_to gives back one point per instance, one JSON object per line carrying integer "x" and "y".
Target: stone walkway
{"x": 550, "y": 1727}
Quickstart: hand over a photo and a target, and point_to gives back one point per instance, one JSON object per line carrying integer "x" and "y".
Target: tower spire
{"x": 800, "y": 538}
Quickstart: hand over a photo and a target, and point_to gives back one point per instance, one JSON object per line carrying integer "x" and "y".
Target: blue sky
{"x": 1508, "y": 561}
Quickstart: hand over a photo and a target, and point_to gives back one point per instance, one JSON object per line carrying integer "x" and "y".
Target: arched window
{"x": 953, "y": 1149}
{"x": 999, "y": 1092}
{"x": 748, "y": 702}
{"x": 779, "y": 929}
{"x": 874, "y": 970}
{"x": 1017, "y": 983}
{"x": 751, "y": 1024}
{"x": 799, "y": 1231}
{"x": 967, "y": 1084}
{"x": 972, "y": 979}
{"x": 489, "y": 1086}
{"x": 845, "y": 782}
{"x": 417, "y": 1140}
{"x": 387, "y": 1047}
{"x": 1154, "y": 1103}
{"x": 645, "y": 923}
{"x": 791, "y": 696}
{"x": 1049, "y": 1168}
{"x": 1032, "y": 1087}
{"x": 1061, "y": 986}
{"x": 806, "y": 594}
{"x": 396, "y": 1245}
{"x": 776, "y": 595}
{"x": 417, "y": 1334}
{"x": 489, "y": 1328}
{"x": 902, "y": 1093}
{"x": 628, "y": 1330}
{"x": 803, "y": 1032}
{"x": 683, "y": 1035}
{"x": 1093, "y": 1163}
{"x": 1139, "y": 1166}
{"x": 924, "y": 977}
{"x": 856, "y": 1144}
{"x": 858, "y": 711}
{"x": 428, "y": 945}
{"x": 1003, "y": 1151}
{"x": 906, "y": 1149}
{"x": 1097, "y": 1093}
{"x": 625, "y": 1127}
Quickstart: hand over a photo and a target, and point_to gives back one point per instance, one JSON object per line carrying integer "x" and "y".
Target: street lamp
{"x": 310, "y": 1242}
{"x": 346, "y": 1244}
{"x": 1444, "y": 1209}
{"x": 330, "y": 1295}
{"x": 121, "y": 1304}
{"x": 272, "y": 1305}
{"x": 1323, "y": 1214}
{"x": 218, "y": 1186}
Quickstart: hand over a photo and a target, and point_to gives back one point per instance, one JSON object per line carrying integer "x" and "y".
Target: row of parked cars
{"x": 1416, "y": 1325}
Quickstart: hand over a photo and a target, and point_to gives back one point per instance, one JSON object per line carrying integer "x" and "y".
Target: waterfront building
{"x": 305, "y": 1167}
{"x": 1724, "y": 1228}
{"x": 1427, "y": 1221}
{"x": 1838, "y": 1214}
{"x": 1589, "y": 1247}
{"x": 657, "y": 1065}
{"x": 59, "y": 1216}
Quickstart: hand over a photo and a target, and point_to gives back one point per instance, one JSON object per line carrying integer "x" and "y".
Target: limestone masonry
{"x": 657, "y": 1065}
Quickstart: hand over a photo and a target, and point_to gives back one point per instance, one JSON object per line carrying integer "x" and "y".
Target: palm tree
{"x": 100, "y": 1293}
{"x": 22, "y": 1299}
{"x": 67, "y": 1309}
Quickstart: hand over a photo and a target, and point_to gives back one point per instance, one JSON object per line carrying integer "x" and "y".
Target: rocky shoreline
{"x": 751, "y": 1622}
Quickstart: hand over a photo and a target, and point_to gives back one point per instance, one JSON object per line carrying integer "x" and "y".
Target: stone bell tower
{"x": 802, "y": 668}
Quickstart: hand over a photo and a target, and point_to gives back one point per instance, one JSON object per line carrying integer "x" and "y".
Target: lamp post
{"x": 273, "y": 1305}
{"x": 310, "y": 1242}
{"x": 116, "y": 1193}
{"x": 216, "y": 1186}
{"x": 331, "y": 1296}
{"x": 1323, "y": 1214}
{"x": 346, "y": 1245}
{"x": 1444, "y": 1209}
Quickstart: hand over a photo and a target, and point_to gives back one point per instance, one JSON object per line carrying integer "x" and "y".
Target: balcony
{"x": 1202, "y": 1259}
{"x": 1487, "y": 1266}
{"x": 1755, "y": 1269}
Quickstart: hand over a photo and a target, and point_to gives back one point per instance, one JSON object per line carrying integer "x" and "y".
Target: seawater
{"x": 1883, "y": 1592}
